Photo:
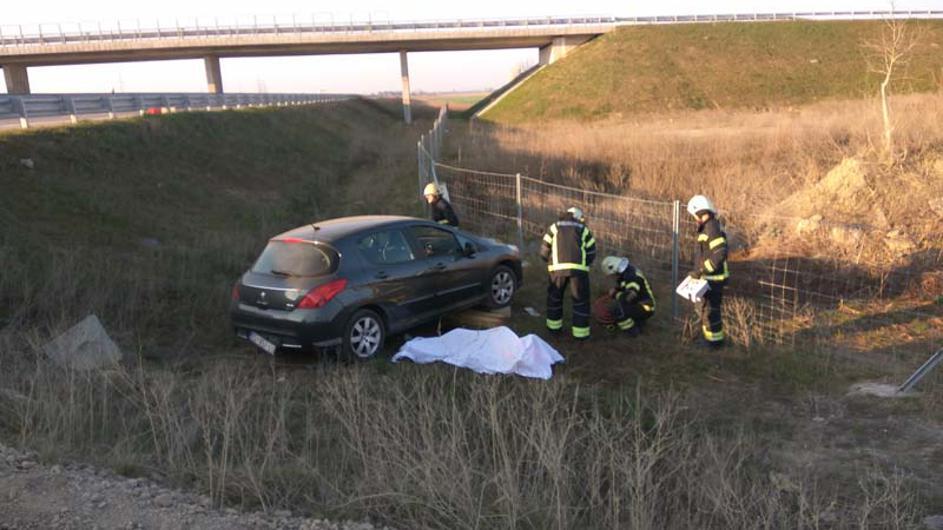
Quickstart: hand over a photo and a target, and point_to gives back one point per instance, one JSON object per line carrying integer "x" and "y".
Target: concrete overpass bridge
{"x": 61, "y": 44}
{"x": 554, "y": 36}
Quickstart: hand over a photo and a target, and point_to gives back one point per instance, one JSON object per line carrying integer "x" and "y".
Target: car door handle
{"x": 382, "y": 275}
{"x": 438, "y": 267}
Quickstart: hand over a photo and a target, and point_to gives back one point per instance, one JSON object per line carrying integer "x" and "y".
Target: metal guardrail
{"x": 26, "y": 108}
{"x": 20, "y": 35}
{"x": 758, "y": 17}
{"x": 66, "y": 33}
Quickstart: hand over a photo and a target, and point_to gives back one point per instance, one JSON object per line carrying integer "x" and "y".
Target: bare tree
{"x": 889, "y": 53}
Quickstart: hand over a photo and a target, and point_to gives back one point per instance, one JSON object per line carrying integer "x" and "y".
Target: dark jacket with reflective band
{"x": 632, "y": 285}
{"x": 568, "y": 246}
{"x": 442, "y": 213}
{"x": 711, "y": 256}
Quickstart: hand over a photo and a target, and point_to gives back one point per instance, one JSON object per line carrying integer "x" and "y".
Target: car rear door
{"x": 457, "y": 278}
{"x": 398, "y": 280}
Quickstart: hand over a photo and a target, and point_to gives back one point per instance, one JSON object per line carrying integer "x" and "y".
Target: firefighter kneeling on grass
{"x": 710, "y": 263}
{"x": 569, "y": 250}
{"x": 632, "y": 300}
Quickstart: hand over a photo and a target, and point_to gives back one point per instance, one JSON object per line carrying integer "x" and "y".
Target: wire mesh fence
{"x": 850, "y": 287}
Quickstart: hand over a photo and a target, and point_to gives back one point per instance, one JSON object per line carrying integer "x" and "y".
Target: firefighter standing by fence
{"x": 634, "y": 302}
{"x": 442, "y": 211}
{"x": 710, "y": 263}
{"x": 569, "y": 250}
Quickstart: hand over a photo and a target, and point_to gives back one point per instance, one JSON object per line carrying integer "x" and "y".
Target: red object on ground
{"x": 602, "y": 310}
{"x": 152, "y": 111}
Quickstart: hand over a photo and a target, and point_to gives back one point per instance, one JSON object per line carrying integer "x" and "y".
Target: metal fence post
{"x": 419, "y": 167}
{"x": 675, "y": 254}
{"x": 520, "y": 214}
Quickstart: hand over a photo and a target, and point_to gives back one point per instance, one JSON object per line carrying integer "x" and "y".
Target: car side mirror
{"x": 469, "y": 250}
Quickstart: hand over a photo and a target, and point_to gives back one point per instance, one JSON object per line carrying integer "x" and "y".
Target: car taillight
{"x": 322, "y": 294}
{"x": 235, "y": 292}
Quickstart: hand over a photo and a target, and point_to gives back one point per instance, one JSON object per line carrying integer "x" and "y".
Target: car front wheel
{"x": 364, "y": 335}
{"x": 501, "y": 287}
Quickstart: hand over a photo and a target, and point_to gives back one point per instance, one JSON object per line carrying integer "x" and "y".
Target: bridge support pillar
{"x": 16, "y": 78}
{"x": 214, "y": 76}
{"x": 559, "y": 48}
{"x": 404, "y": 70}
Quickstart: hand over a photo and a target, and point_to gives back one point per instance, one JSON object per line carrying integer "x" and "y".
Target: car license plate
{"x": 262, "y": 342}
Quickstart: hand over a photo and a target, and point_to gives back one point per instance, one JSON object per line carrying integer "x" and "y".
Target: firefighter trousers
{"x": 712, "y": 323}
{"x": 632, "y": 314}
{"x": 578, "y": 282}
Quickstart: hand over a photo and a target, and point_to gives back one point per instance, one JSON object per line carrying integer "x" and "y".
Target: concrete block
{"x": 85, "y": 346}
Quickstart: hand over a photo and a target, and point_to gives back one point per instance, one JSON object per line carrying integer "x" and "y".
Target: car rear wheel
{"x": 364, "y": 335}
{"x": 501, "y": 287}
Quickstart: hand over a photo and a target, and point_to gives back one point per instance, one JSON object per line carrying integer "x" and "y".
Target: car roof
{"x": 333, "y": 230}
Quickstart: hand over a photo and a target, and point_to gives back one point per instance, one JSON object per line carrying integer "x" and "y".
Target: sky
{"x": 429, "y": 71}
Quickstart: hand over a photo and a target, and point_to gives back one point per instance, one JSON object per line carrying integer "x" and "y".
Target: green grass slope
{"x": 730, "y": 65}
{"x": 147, "y": 222}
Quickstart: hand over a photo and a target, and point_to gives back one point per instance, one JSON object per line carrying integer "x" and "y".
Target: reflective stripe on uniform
{"x": 717, "y": 242}
{"x": 708, "y": 266}
{"x": 580, "y": 333}
{"x": 648, "y": 288}
{"x": 548, "y": 239}
{"x": 568, "y": 267}
{"x": 713, "y": 336}
{"x": 443, "y": 221}
{"x": 554, "y": 257}
{"x": 554, "y": 324}
{"x": 627, "y": 285}
{"x": 702, "y": 237}
{"x": 719, "y": 277}
{"x": 626, "y": 324}
{"x": 586, "y": 244}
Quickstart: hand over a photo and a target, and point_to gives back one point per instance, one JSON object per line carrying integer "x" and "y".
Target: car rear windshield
{"x": 284, "y": 258}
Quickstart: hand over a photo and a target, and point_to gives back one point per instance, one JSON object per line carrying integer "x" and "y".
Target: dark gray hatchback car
{"x": 347, "y": 283}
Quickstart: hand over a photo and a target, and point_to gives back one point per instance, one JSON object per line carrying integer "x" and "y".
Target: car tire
{"x": 502, "y": 286}
{"x": 364, "y": 336}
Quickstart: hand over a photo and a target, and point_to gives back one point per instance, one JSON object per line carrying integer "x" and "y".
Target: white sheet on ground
{"x": 490, "y": 351}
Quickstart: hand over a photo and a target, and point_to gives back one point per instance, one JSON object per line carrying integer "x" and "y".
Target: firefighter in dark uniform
{"x": 634, "y": 300}
{"x": 442, "y": 211}
{"x": 569, "y": 250}
{"x": 710, "y": 263}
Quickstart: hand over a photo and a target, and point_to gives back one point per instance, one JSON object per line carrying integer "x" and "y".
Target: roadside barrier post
{"x": 21, "y": 110}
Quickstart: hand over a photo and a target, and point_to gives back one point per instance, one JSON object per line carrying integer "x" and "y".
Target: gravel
{"x": 74, "y": 496}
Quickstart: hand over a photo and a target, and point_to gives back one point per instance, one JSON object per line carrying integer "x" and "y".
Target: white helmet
{"x": 700, "y": 203}
{"x": 431, "y": 189}
{"x": 576, "y": 213}
{"x": 614, "y": 264}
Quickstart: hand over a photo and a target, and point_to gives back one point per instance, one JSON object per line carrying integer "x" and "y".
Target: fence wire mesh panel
{"x": 487, "y": 202}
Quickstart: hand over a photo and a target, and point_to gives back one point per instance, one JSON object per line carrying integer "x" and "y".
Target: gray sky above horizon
{"x": 429, "y": 71}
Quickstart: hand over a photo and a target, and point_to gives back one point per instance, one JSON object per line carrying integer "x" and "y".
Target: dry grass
{"x": 747, "y": 161}
{"x": 426, "y": 447}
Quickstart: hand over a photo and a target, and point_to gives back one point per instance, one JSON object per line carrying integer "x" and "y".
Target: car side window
{"x": 387, "y": 247}
{"x": 435, "y": 242}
